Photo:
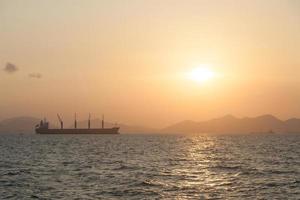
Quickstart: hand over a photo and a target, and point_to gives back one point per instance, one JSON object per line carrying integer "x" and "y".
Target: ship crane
{"x": 75, "y": 121}
{"x": 102, "y": 122}
{"x": 61, "y": 122}
{"x": 89, "y": 121}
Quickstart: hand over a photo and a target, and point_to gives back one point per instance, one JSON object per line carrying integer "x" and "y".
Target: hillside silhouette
{"x": 231, "y": 124}
{"x": 18, "y": 125}
{"x": 223, "y": 125}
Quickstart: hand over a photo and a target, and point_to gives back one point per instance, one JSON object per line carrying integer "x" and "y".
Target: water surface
{"x": 149, "y": 167}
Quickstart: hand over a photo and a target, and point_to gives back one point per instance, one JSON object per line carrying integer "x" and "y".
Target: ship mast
{"x": 75, "y": 121}
{"x": 61, "y": 122}
{"x": 89, "y": 121}
{"x": 102, "y": 121}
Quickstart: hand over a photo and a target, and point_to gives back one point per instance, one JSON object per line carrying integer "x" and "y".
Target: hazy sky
{"x": 128, "y": 58}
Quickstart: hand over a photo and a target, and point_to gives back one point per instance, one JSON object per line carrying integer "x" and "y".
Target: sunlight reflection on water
{"x": 149, "y": 167}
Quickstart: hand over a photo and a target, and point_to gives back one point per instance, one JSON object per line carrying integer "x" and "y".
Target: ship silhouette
{"x": 43, "y": 128}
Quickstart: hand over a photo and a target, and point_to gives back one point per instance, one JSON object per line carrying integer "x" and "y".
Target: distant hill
{"x": 18, "y": 125}
{"x": 231, "y": 124}
{"x": 226, "y": 124}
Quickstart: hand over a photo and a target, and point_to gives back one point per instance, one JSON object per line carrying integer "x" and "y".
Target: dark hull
{"x": 78, "y": 131}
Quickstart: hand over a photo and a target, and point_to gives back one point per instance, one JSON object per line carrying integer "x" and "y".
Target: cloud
{"x": 10, "y": 68}
{"x": 35, "y": 75}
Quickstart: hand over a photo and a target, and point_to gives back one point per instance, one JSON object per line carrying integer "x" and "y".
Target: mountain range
{"x": 225, "y": 124}
{"x": 231, "y": 124}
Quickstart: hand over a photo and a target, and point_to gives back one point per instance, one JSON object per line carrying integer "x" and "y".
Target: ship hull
{"x": 79, "y": 131}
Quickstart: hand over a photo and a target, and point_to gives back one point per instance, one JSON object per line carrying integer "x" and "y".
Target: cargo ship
{"x": 43, "y": 128}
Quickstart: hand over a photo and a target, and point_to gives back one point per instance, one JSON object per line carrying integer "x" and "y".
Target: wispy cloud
{"x": 35, "y": 75}
{"x": 10, "y": 68}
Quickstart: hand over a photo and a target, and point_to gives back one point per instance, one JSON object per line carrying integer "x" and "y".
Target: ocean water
{"x": 149, "y": 167}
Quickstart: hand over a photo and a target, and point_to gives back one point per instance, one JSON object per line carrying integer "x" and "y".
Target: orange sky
{"x": 128, "y": 59}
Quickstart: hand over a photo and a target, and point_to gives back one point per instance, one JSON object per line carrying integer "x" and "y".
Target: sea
{"x": 150, "y": 166}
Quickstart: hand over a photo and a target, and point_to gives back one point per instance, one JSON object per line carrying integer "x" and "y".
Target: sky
{"x": 128, "y": 59}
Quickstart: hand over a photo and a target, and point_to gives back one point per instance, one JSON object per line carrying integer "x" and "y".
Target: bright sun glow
{"x": 201, "y": 74}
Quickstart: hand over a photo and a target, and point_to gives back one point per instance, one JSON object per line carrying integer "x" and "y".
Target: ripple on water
{"x": 151, "y": 167}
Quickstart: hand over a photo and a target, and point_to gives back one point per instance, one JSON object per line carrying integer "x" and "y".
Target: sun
{"x": 201, "y": 74}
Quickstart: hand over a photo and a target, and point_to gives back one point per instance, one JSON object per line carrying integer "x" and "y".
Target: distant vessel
{"x": 43, "y": 128}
